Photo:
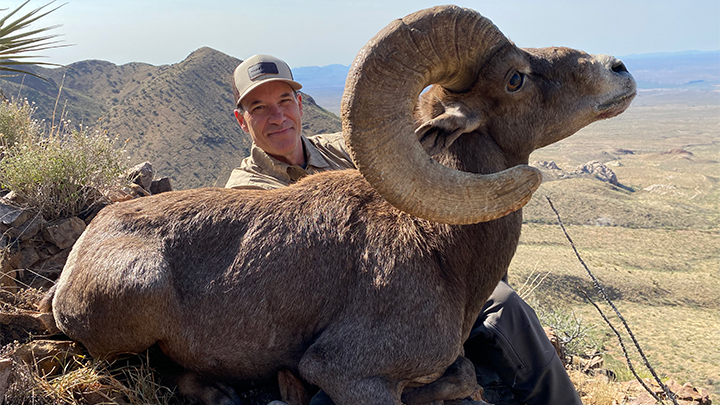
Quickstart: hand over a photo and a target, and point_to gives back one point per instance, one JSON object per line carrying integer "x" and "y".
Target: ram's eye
{"x": 516, "y": 81}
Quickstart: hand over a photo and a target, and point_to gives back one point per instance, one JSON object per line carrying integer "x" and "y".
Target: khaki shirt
{"x": 262, "y": 171}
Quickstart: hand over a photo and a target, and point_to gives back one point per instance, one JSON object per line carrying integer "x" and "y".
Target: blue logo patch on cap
{"x": 262, "y": 68}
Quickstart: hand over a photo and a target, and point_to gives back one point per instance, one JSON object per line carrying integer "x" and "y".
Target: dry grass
{"x": 596, "y": 390}
{"x": 90, "y": 382}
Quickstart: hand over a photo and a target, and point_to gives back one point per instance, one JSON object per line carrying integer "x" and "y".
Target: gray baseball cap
{"x": 259, "y": 69}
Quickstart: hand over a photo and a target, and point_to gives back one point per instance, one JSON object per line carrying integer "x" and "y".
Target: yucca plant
{"x": 17, "y": 43}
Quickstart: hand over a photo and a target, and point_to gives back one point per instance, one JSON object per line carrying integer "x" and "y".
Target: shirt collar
{"x": 312, "y": 155}
{"x": 282, "y": 170}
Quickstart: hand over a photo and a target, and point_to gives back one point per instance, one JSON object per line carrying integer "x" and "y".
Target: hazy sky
{"x": 323, "y": 32}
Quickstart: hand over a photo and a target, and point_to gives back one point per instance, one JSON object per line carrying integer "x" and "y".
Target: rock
{"x": 622, "y": 152}
{"x": 689, "y": 393}
{"x": 160, "y": 186}
{"x": 20, "y": 326}
{"x": 142, "y": 175}
{"x": 48, "y": 357}
{"x": 48, "y": 270}
{"x": 29, "y": 255}
{"x": 9, "y": 260}
{"x": 119, "y": 195}
{"x": 599, "y": 170}
{"x": 544, "y": 164}
{"x": 7, "y": 280}
{"x": 15, "y": 199}
{"x": 12, "y": 215}
{"x": 64, "y": 232}
{"x": 138, "y": 191}
{"x": 47, "y": 250}
{"x": 89, "y": 213}
{"x": 5, "y": 370}
{"x": 28, "y": 229}
{"x": 604, "y": 220}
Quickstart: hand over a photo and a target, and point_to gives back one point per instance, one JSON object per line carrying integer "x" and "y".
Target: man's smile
{"x": 280, "y": 132}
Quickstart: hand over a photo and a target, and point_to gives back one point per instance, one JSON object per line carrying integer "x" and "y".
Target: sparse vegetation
{"x": 658, "y": 258}
{"x": 17, "y": 124}
{"x": 59, "y": 173}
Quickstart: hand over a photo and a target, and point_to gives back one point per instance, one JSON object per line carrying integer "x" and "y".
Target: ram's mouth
{"x": 615, "y": 106}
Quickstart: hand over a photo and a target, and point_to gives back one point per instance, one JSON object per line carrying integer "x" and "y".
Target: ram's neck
{"x": 477, "y": 152}
{"x": 482, "y": 252}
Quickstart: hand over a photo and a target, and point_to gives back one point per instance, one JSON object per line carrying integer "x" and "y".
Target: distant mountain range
{"x": 179, "y": 117}
{"x": 689, "y": 69}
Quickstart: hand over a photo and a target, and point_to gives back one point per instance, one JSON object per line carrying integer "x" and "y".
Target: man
{"x": 506, "y": 335}
{"x": 269, "y": 108}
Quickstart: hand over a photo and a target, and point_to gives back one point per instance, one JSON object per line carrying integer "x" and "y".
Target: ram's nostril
{"x": 619, "y": 67}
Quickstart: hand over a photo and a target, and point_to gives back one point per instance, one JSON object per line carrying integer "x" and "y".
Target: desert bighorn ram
{"x": 362, "y": 283}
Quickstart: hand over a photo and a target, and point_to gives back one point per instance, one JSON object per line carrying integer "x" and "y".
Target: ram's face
{"x": 530, "y": 98}
{"x": 483, "y": 84}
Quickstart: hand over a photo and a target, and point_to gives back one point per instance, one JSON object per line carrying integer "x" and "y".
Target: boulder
{"x": 11, "y": 215}
{"x": 599, "y": 170}
{"x": 20, "y": 326}
{"x": 142, "y": 175}
{"x": 28, "y": 229}
{"x": 28, "y": 256}
{"x": 64, "y": 232}
{"x": 160, "y": 186}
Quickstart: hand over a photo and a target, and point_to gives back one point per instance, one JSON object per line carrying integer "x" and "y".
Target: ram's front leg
{"x": 338, "y": 365}
{"x": 458, "y": 382}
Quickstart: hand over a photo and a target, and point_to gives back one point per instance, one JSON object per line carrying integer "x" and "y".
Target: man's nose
{"x": 276, "y": 115}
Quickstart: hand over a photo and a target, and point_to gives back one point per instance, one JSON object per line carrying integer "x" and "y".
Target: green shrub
{"x": 575, "y": 334}
{"x": 59, "y": 174}
{"x": 16, "y": 123}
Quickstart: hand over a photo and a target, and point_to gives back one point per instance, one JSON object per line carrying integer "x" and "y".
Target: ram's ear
{"x": 440, "y": 132}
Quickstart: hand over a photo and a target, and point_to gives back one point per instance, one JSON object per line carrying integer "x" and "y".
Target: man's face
{"x": 273, "y": 117}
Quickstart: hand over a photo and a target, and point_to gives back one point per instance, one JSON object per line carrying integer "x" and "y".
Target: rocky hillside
{"x": 179, "y": 117}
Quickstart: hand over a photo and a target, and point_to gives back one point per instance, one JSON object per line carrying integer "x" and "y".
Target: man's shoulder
{"x": 336, "y": 139}
{"x": 332, "y": 148}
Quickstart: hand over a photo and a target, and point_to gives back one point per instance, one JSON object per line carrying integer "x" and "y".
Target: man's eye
{"x": 515, "y": 83}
